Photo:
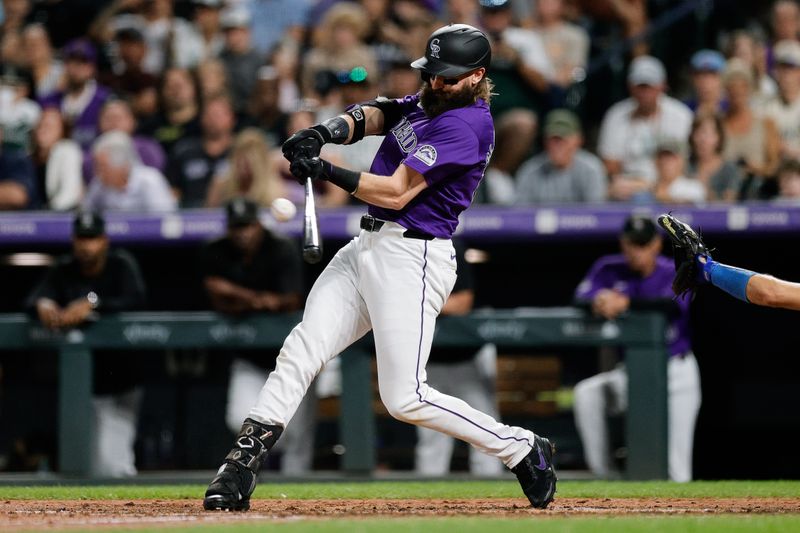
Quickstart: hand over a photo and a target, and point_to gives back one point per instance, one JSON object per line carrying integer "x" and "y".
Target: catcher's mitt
{"x": 687, "y": 246}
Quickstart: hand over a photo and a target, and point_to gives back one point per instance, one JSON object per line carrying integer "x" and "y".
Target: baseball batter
{"x": 395, "y": 276}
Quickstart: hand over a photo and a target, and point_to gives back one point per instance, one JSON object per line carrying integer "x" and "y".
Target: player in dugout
{"x": 395, "y": 276}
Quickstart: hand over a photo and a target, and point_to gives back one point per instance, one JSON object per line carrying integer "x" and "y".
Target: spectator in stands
{"x": 353, "y": 86}
{"x": 171, "y": 41}
{"x": 57, "y": 160}
{"x": 639, "y": 277}
{"x": 207, "y": 25}
{"x": 785, "y": 20}
{"x": 564, "y": 173}
{"x": 82, "y": 98}
{"x": 91, "y": 281}
{"x": 521, "y": 70}
{"x": 751, "y": 139}
{"x": 265, "y": 110}
{"x": 566, "y": 44}
{"x": 709, "y": 96}
{"x": 47, "y": 71}
{"x": 196, "y": 161}
{"x": 121, "y": 182}
{"x": 672, "y": 186}
{"x": 127, "y": 78}
{"x": 515, "y": 133}
{"x": 631, "y": 128}
{"x": 250, "y": 174}
{"x": 470, "y": 376}
{"x": 241, "y": 60}
{"x": 338, "y": 46}
{"x": 178, "y": 117}
{"x": 18, "y": 185}
{"x": 212, "y": 79}
{"x": 398, "y": 79}
{"x": 784, "y": 109}
{"x": 117, "y": 115}
{"x": 18, "y": 113}
{"x": 15, "y": 15}
{"x": 253, "y": 270}
{"x": 789, "y": 182}
{"x": 721, "y": 177}
{"x": 277, "y": 21}
{"x": 751, "y": 49}
{"x": 463, "y": 12}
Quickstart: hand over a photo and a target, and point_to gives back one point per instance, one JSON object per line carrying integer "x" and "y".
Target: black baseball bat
{"x": 312, "y": 244}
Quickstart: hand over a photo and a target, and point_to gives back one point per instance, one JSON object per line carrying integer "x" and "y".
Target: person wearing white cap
{"x": 631, "y": 128}
{"x": 784, "y": 109}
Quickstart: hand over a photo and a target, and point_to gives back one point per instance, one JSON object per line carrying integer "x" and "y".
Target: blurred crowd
{"x": 155, "y": 105}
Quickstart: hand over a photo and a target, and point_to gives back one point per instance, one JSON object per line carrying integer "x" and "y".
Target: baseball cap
{"x": 672, "y": 146}
{"x": 494, "y": 5}
{"x": 646, "y": 70}
{"x": 208, "y": 3}
{"x": 562, "y": 123}
{"x": 236, "y": 17}
{"x": 707, "y": 61}
{"x": 129, "y": 34}
{"x": 639, "y": 229}
{"x": 11, "y": 74}
{"x": 88, "y": 224}
{"x": 80, "y": 49}
{"x": 241, "y": 212}
{"x": 787, "y": 52}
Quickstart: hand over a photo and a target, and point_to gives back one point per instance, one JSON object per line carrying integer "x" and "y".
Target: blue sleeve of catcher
{"x": 730, "y": 279}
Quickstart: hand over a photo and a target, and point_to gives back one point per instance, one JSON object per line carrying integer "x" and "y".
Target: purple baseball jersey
{"x": 451, "y": 151}
{"x": 612, "y": 272}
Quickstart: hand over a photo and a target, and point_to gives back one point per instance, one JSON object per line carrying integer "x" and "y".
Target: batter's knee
{"x": 405, "y": 408}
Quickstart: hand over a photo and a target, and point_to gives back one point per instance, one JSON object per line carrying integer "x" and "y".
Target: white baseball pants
{"x": 396, "y": 287}
{"x": 607, "y": 393}
{"x": 474, "y": 382}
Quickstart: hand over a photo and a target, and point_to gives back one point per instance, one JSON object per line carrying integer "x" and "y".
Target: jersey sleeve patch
{"x": 427, "y": 154}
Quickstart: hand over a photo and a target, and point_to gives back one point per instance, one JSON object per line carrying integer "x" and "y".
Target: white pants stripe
{"x": 380, "y": 281}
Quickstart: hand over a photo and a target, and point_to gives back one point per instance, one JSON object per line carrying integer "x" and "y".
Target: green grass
{"x": 583, "y": 524}
{"x": 422, "y": 490}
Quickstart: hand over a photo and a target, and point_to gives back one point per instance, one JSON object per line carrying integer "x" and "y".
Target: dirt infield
{"x": 66, "y": 514}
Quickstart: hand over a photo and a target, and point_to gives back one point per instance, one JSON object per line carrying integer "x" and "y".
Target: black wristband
{"x": 356, "y": 112}
{"x": 341, "y": 177}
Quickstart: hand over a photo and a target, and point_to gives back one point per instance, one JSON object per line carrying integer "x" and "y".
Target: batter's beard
{"x": 434, "y": 102}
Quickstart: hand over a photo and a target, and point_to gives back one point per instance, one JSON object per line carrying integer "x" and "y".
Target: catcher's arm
{"x": 772, "y": 292}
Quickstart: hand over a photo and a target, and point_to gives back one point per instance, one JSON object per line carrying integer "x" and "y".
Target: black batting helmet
{"x": 454, "y": 50}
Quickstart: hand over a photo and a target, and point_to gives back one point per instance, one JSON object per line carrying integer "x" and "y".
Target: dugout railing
{"x": 641, "y": 334}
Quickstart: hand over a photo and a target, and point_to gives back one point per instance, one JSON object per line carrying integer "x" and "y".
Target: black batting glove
{"x": 306, "y": 143}
{"x": 307, "y": 167}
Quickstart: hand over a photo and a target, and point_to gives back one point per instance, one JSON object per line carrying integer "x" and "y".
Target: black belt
{"x": 372, "y": 224}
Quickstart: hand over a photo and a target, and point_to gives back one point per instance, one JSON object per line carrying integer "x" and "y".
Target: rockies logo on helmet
{"x": 435, "y": 48}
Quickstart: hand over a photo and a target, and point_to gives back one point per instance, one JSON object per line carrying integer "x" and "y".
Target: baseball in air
{"x": 283, "y": 209}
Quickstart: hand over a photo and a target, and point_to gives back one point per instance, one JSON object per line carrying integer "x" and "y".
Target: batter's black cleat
{"x": 235, "y": 481}
{"x": 536, "y": 475}
{"x": 230, "y": 490}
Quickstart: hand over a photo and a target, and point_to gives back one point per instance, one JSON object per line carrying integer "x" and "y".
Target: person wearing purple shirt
{"x": 80, "y": 102}
{"x": 638, "y": 278}
{"x": 395, "y": 276}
